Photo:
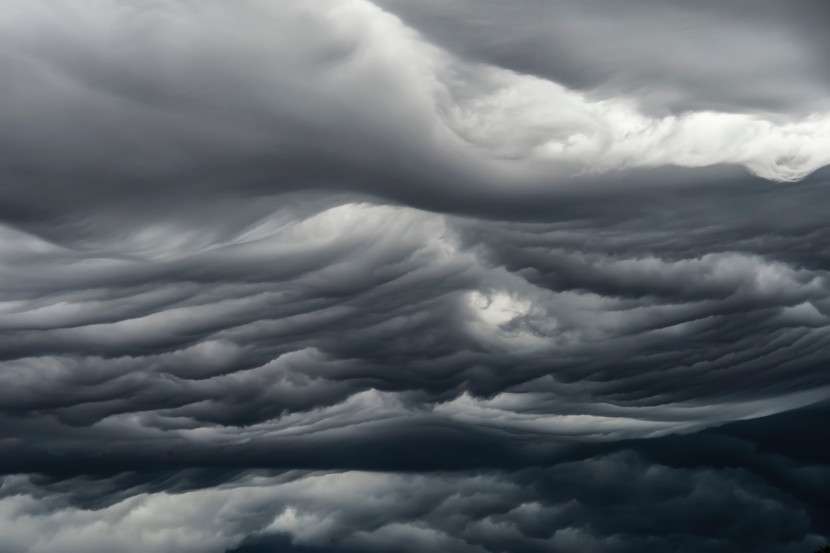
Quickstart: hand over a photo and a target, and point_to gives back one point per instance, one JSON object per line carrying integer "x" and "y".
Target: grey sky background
{"x": 350, "y": 276}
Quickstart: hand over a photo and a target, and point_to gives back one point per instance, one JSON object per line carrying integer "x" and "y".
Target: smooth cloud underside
{"x": 452, "y": 276}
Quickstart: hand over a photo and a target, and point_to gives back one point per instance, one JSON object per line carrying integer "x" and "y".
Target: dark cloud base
{"x": 394, "y": 387}
{"x": 761, "y": 483}
{"x": 484, "y": 481}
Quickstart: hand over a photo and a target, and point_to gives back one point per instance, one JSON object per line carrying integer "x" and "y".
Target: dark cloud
{"x": 701, "y": 492}
{"x": 355, "y": 277}
{"x": 733, "y": 56}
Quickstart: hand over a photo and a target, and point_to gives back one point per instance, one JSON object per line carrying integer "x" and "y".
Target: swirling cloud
{"x": 361, "y": 276}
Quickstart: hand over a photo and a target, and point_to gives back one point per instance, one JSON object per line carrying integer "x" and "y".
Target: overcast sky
{"x": 461, "y": 276}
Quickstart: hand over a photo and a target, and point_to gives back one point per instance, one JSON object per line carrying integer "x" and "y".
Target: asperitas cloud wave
{"x": 365, "y": 276}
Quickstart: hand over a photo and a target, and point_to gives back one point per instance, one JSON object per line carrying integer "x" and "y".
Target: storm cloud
{"x": 450, "y": 276}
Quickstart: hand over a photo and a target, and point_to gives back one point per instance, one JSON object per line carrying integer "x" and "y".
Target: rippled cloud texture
{"x": 462, "y": 276}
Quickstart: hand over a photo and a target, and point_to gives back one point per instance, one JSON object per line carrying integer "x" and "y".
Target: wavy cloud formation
{"x": 367, "y": 276}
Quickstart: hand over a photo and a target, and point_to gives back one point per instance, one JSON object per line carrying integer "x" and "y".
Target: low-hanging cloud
{"x": 360, "y": 276}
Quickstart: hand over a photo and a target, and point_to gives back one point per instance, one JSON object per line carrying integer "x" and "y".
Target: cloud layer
{"x": 368, "y": 276}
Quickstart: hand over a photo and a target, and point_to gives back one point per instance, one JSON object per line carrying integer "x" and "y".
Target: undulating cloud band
{"x": 367, "y": 276}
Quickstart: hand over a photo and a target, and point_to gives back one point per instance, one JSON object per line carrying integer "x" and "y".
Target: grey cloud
{"x": 354, "y": 276}
{"x": 258, "y": 99}
{"x": 767, "y": 56}
{"x": 614, "y": 502}
{"x": 310, "y": 331}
